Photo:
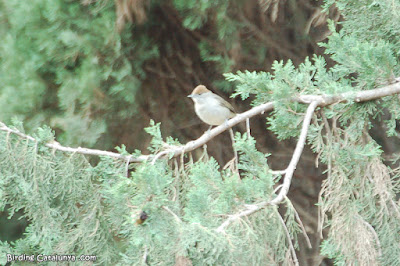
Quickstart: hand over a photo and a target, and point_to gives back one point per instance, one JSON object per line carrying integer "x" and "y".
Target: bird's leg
{"x": 204, "y": 154}
{"x": 226, "y": 122}
{"x": 234, "y": 149}
{"x": 208, "y": 131}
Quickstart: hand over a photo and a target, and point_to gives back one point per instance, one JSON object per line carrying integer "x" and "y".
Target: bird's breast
{"x": 213, "y": 113}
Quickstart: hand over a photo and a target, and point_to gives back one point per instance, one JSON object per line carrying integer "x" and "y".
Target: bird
{"x": 209, "y": 107}
{"x": 142, "y": 217}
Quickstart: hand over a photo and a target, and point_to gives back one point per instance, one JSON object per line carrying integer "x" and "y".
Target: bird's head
{"x": 199, "y": 92}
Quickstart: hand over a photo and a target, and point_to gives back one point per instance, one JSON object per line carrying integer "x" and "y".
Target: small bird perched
{"x": 210, "y": 107}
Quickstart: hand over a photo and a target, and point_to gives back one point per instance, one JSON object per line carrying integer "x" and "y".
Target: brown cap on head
{"x": 200, "y": 90}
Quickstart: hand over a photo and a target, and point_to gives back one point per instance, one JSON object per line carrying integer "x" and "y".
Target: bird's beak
{"x": 190, "y": 96}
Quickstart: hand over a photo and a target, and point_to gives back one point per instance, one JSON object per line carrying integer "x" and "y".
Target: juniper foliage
{"x": 358, "y": 200}
{"x": 74, "y": 207}
{"x": 67, "y": 60}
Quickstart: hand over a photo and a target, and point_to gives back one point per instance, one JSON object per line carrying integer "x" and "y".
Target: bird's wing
{"x": 226, "y": 104}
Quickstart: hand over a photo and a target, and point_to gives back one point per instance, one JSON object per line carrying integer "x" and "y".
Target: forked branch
{"x": 315, "y": 100}
{"x": 288, "y": 173}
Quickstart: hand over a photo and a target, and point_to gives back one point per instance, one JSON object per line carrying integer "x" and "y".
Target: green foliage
{"x": 5, "y": 248}
{"x": 373, "y": 21}
{"x": 67, "y": 59}
{"x": 196, "y": 14}
{"x": 250, "y": 83}
{"x": 76, "y": 59}
{"x": 225, "y": 193}
{"x": 253, "y": 164}
{"x": 372, "y": 62}
{"x": 287, "y": 81}
{"x": 360, "y": 189}
{"x": 372, "y": 65}
{"x": 208, "y": 53}
{"x": 154, "y": 130}
{"x": 331, "y": 251}
{"x": 60, "y": 197}
{"x": 157, "y": 142}
{"x": 63, "y": 63}
{"x": 83, "y": 209}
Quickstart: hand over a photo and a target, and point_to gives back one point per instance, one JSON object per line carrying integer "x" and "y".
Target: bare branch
{"x": 296, "y": 155}
{"x": 323, "y": 100}
{"x": 57, "y": 146}
{"x": 145, "y": 255}
{"x": 127, "y": 166}
{"x": 288, "y": 173}
{"x": 315, "y": 100}
{"x": 248, "y": 127}
{"x": 172, "y": 213}
{"x": 278, "y": 172}
{"x": 359, "y": 96}
{"x": 192, "y": 145}
{"x": 250, "y": 210}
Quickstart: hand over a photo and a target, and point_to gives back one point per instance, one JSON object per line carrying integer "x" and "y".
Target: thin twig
{"x": 291, "y": 247}
{"x": 145, "y": 255}
{"x": 250, "y": 209}
{"x": 301, "y": 225}
{"x": 234, "y": 150}
{"x": 127, "y": 165}
{"x": 173, "y": 214}
{"x": 159, "y": 155}
{"x": 372, "y": 230}
{"x": 277, "y": 188}
{"x": 176, "y": 181}
{"x": 278, "y": 172}
{"x": 395, "y": 208}
{"x": 248, "y": 127}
